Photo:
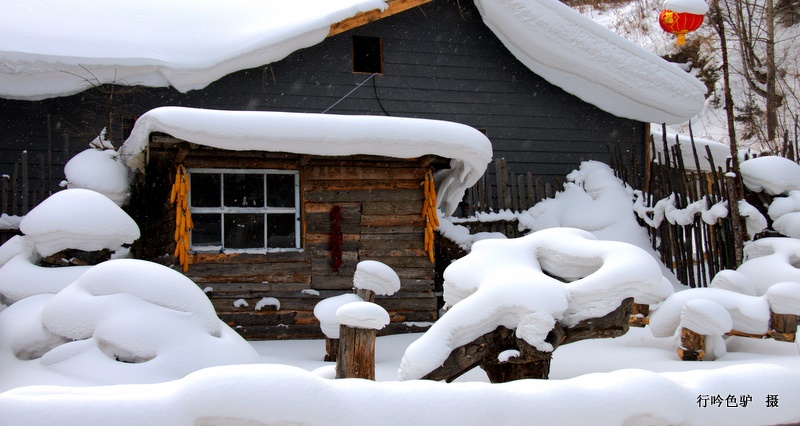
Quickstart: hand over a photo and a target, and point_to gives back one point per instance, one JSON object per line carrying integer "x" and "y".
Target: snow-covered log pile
{"x": 550, "y": 283}
{"x": 760, "y": 299}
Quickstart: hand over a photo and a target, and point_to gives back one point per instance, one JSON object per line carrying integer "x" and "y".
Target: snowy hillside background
{"x": 701, "y": 56}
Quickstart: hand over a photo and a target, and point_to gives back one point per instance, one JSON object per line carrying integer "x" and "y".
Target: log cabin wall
{"x": 380, "y": 199}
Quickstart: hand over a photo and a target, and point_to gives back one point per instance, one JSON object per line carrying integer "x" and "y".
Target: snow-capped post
{"x": 325, "y": 312}
{"x": 360, "y": 322}
{"x": 373, "y": 277}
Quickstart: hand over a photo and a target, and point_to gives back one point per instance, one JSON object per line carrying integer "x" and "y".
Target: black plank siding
{"x": 440, "y": 62}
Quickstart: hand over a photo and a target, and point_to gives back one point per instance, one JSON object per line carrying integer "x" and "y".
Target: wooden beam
{"x": 395, "y": 6}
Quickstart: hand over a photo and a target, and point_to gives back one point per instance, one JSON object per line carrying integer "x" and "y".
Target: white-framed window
{"x": 244, "y": 210}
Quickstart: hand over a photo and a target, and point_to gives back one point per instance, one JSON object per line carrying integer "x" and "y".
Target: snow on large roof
{"x": 591, "y": 62}
{"x": 54, "y": 48}
{"x": 468, "y": 149}
{"x": 163, "y": 43}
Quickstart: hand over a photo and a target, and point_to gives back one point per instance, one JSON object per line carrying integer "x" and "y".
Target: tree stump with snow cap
{"x": 371, "y": 278}
{"x": 360, "y": 322}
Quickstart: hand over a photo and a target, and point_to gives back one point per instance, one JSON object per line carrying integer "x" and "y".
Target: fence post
{"x": 4, "y": 195}
{"x": 25, "y": 188}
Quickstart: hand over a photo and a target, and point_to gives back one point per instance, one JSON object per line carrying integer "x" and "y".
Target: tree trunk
{"x": 693, "y": 345}
{"x": 356, "y": 353}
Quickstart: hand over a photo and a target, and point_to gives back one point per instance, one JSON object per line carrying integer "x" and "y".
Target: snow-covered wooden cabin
{"x": 548, "y": 86}
{"x": 268, "y": 190}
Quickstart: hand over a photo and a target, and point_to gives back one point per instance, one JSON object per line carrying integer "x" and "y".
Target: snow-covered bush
{"x": 122, "y": 321}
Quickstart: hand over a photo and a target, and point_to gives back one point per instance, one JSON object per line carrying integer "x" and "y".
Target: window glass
{"x": 248, "y": 209}
{"x": 207, "y": 230}
{"x": 205, "y": 189}
{"x": 244, "y": 190}
{"x": 244, "y": 230}
{"x": 281, "y": 230}
{"x": 280, "y": 190}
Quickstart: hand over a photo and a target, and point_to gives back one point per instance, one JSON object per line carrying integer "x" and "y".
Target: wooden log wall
{"x": 380, "y": 200}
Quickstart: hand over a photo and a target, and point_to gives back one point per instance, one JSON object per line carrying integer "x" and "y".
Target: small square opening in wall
{"x": 367, "y": 54}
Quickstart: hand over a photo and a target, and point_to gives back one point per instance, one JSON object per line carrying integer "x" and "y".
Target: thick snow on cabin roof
{"x": 52, "y": 48}
{"x": 163, "y": 43}
{"x": 468, "y": 149}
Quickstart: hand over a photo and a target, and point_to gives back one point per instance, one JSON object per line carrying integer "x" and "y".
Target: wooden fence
{"x": 697, "y": 251}
{"x": 26, "y": 186}
{"x": 694, "y": 252}
{"x": 508, "y": 191}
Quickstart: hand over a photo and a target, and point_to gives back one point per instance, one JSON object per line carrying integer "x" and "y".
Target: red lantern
{"x": 679, "y": 23}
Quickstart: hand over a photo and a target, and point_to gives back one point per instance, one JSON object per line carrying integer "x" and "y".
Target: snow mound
{"x": 362, "y": 315}
{"x": 749, "y": 314}
{"x": 771, "y": 174}
{"x": 78, "y": 219}
{"x": 771, "y": 260}
{"x": 250, "y": 394}
{"x": 128, "y": 320}
{"x": 325, "y": 312}
{"x": 20, "y": 278}
{"x": 376, "y": 276}
{"x": 100, "y": 171}
{"x": 706, "y": 317}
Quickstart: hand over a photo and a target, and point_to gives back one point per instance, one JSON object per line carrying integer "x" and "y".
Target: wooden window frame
{"x": 266, "y": 210}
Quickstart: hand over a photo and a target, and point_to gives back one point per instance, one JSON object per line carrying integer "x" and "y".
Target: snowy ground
{"x": 637, "y": 349}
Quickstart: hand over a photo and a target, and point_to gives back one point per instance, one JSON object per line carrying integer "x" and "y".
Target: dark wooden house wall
{"x": 381, "y": 202}
{"x": 440, "y": 62}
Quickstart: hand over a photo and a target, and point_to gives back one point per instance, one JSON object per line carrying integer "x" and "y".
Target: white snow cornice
{"x": 587, "y": 60}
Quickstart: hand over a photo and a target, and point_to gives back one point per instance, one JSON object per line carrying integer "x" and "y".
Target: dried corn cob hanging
{"x": 183, "y": 217}
{"x": 429, "y": 213}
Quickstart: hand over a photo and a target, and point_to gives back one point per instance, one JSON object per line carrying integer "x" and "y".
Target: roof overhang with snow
{"x": 468, "y": 149}
{"x": 157, "y": 43}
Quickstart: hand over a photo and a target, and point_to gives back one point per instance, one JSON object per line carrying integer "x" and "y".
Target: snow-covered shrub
{"x": 122, "y": 321}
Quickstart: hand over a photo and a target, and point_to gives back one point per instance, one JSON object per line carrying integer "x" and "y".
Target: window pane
{"x": 244, "y": 190}
{"x": 207, "y": 231}
{"x": 280, "y": 190}
{"x": 205, "y": 189}
{"x": 244, "y": 231}
{"x": 281, "y": 230}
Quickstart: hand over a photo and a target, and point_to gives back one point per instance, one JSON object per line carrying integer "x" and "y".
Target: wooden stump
{"x": 639, "y": 316}
{"x": 530, "y": 364}
{"x": 693, "y": 345}
{"x": 783, "y": 327}
{"x": 331, "y": 349}
{"x": 356, "y": 353}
